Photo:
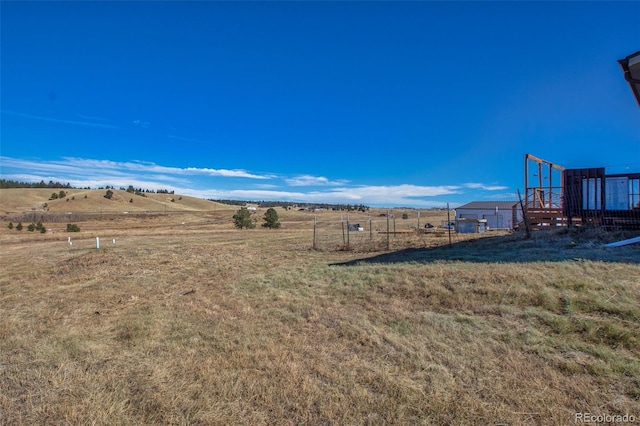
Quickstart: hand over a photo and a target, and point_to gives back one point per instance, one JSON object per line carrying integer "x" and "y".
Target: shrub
{"x": 109, "y": 194}
{"x": 405, "y": 216}
{"x": 72, "y": 227}
{"x": 242, "y": 219}
{"x": 31, "y": 227}
{"x": 10, "y": 225}
{"x": 271, "y": 219}
{"x": 19, "y": 227}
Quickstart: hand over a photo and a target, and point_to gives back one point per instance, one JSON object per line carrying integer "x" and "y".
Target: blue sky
{"x": 382, "y": 103}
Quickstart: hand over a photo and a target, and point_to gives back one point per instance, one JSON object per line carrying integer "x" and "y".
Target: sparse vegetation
{"x": 108, "y": 194}
{"x": 36, "y": 227}
{"x": 200, "y": 324}
{"x": 271, "y": 219}
{"x": 72, "y": 227}
{"x": 19, "y": 227}
{"x": 242, "y": 219}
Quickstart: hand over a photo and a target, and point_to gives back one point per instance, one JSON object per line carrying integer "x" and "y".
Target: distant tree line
{"x": 232, "y": 202}
{"x": 8, "y": 183}
{"x": 287, "y": 204}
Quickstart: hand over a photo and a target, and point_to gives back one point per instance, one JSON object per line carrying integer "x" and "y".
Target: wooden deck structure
{"x": 559, "y": 197}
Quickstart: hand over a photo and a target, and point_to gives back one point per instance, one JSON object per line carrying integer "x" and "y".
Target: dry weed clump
{"x": 215, "y": 326}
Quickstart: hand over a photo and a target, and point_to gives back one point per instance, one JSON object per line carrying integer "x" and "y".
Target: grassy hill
{"x": 92, "y": 200}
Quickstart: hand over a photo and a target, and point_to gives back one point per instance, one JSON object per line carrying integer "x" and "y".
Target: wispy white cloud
{"x": 475, "y": 185}
{"x": 399, "y": 195}
{"x": 82, "y": 167}
{"x": 211, "y": 183}
{"x": 143, "y": 124}
{"x": 266, "y": 186}
{"x": 225, "y": 173}
{"x": 58, "y": 120}
{"x": 308, "y": 180}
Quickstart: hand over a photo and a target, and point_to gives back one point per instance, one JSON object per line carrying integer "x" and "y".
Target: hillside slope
{"x": 17, "y": 200}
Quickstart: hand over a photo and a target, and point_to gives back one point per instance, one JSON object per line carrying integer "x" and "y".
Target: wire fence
{"x": 611, "y": 204}
{"x": 397, "y": 228}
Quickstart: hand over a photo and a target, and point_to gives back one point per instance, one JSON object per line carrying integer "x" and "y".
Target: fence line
{"x": 391, "y": 230}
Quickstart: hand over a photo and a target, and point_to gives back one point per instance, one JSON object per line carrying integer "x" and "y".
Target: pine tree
{"x": 242, "y": 219}
{"x": 271, "y": 219}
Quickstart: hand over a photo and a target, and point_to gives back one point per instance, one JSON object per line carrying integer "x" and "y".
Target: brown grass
{"x": 202, "y": 324}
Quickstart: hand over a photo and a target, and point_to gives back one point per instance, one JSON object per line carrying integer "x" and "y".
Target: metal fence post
{"x": 315, "y": 225}
{"x": 388, "y": 230}
{"x": 348, "y": 232}
{"x": 449, "y": 223}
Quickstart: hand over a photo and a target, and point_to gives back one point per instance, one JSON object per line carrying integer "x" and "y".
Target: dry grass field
{"x": 185, "y": 320}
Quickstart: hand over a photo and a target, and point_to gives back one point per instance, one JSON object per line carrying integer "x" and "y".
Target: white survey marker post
{"x": 97, "y": 242}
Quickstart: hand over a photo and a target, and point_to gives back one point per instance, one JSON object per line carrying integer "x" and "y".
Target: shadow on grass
{"x": 544, "y": 246}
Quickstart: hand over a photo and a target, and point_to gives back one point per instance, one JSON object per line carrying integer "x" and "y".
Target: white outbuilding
{"x": 498, "y": 214}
